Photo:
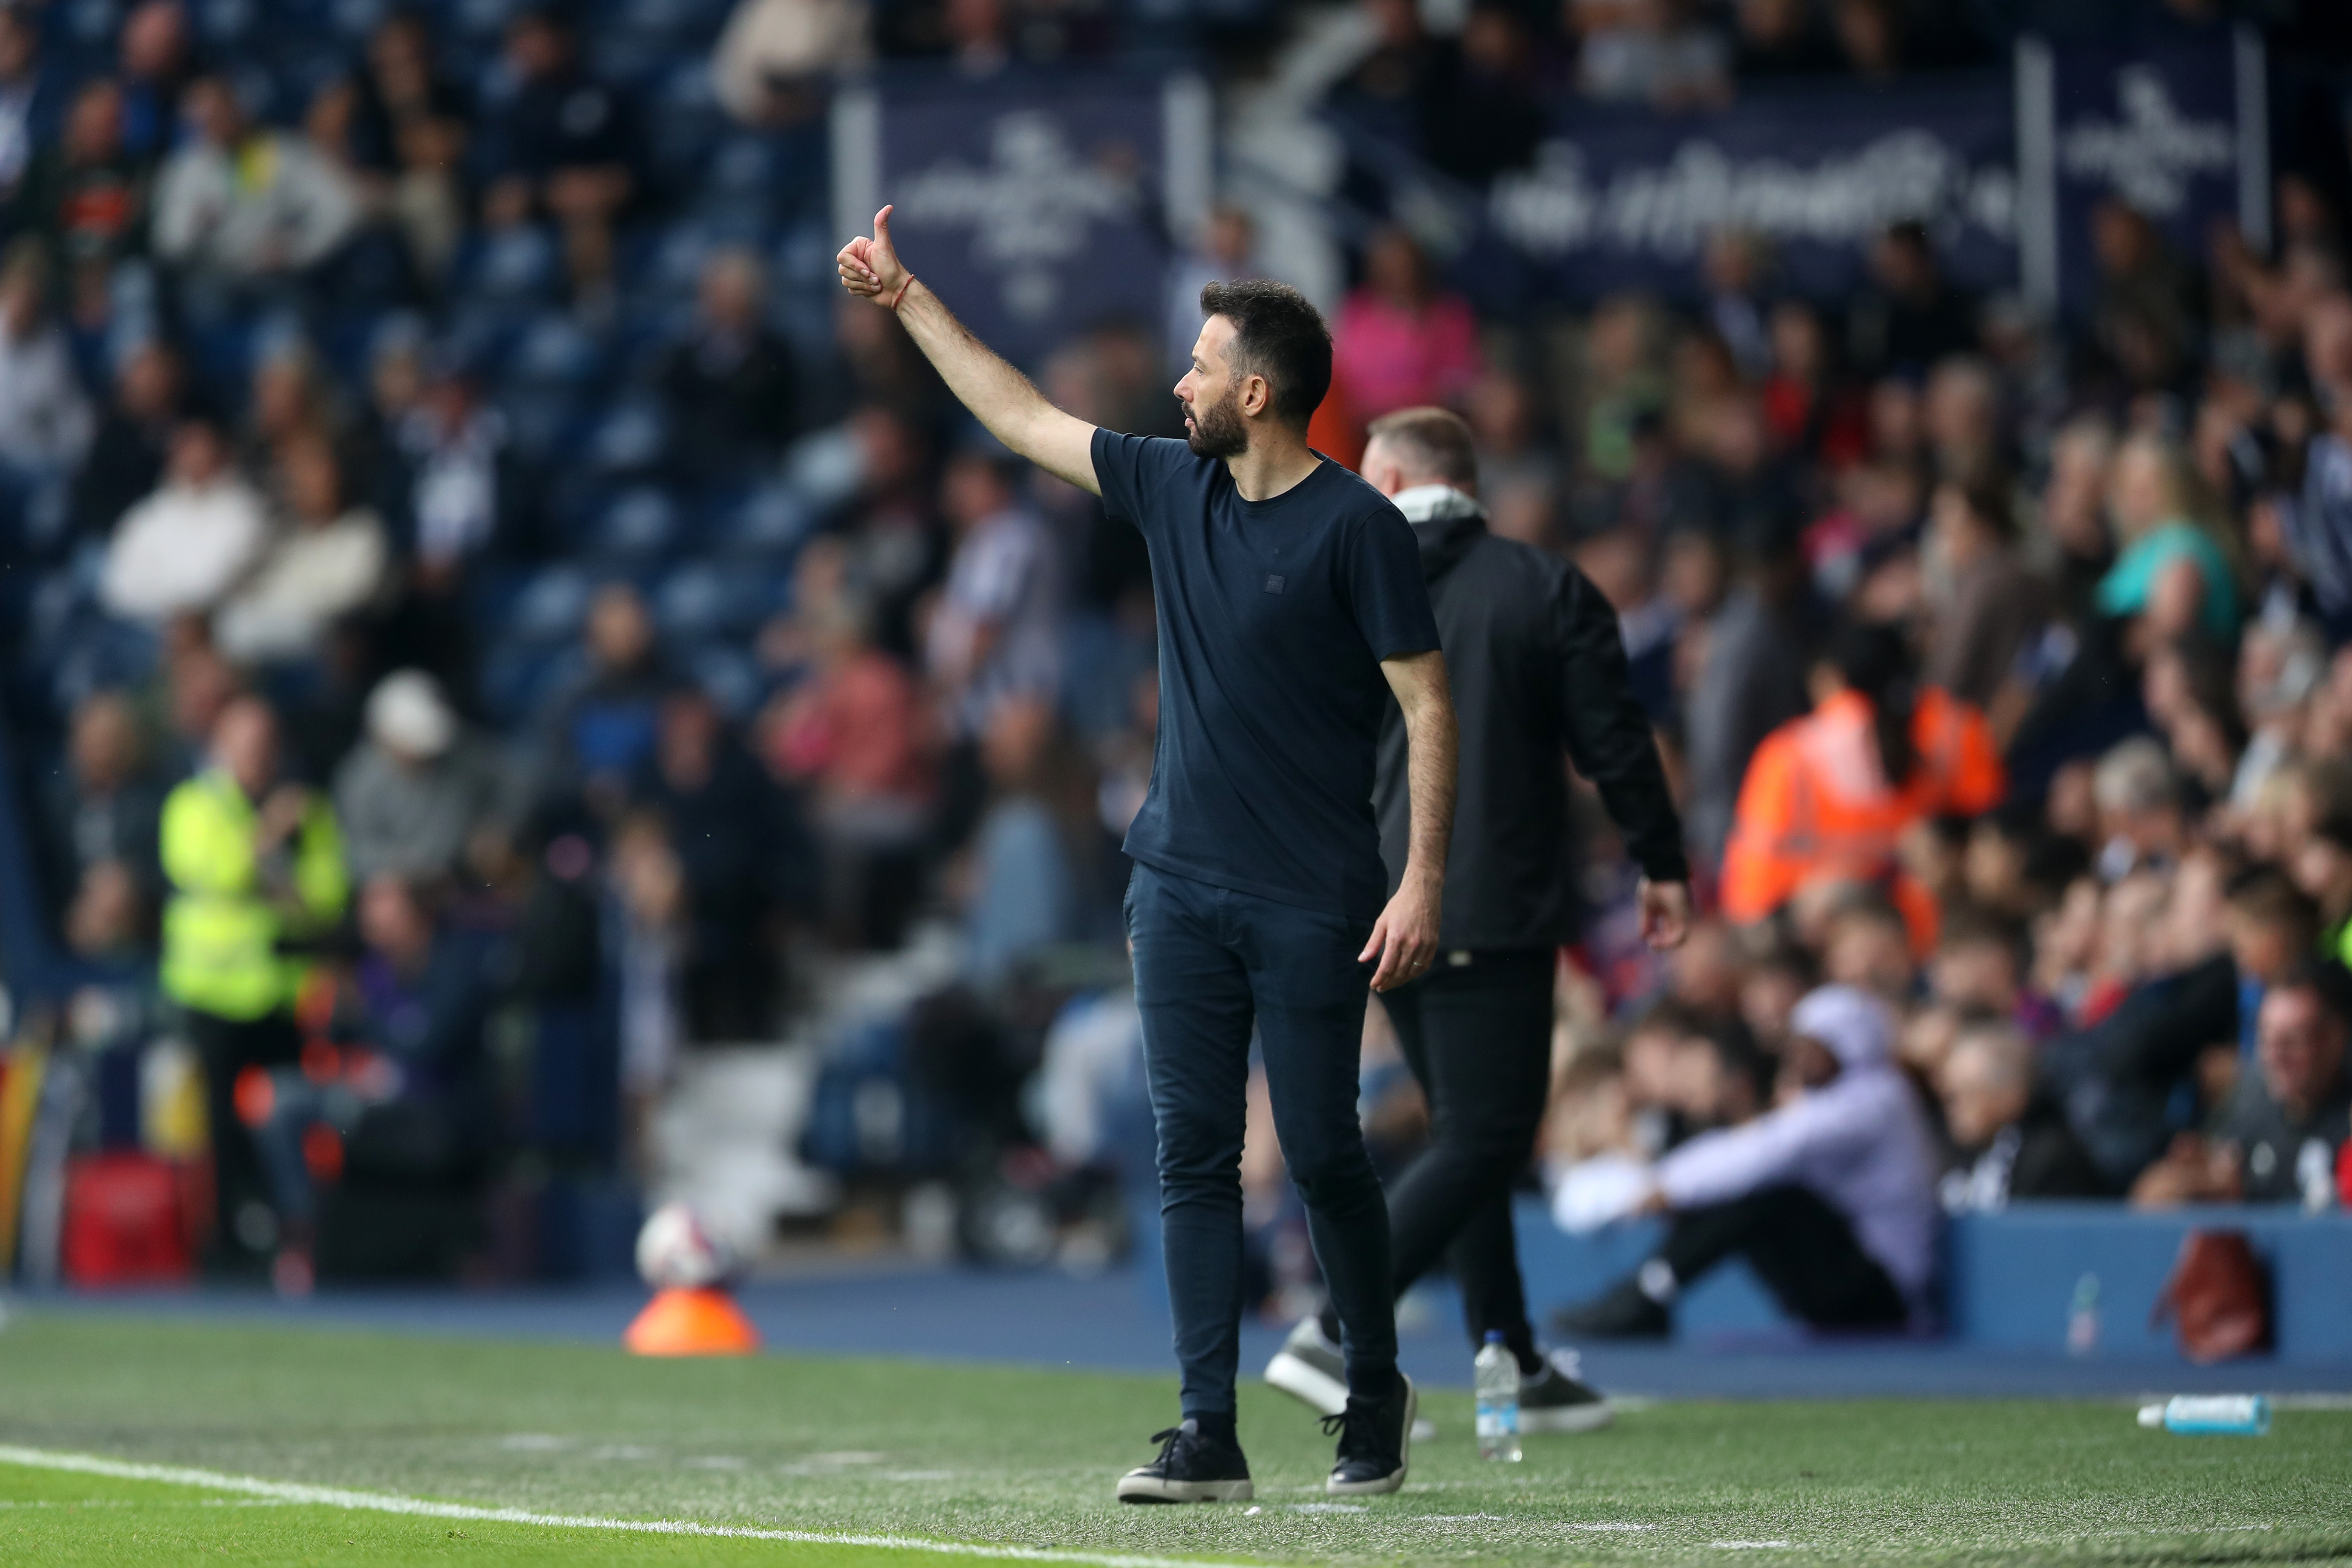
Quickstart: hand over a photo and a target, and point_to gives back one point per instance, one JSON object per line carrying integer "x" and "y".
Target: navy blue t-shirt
{"x": 1274, "y": 618}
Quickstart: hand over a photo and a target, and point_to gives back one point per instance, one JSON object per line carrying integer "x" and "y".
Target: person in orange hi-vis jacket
{"x": 1828, "y": 796}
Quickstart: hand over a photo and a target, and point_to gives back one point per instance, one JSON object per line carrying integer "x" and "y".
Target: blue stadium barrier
{"x": 2011, "y": 1279}
{"x": 2013, "y": 1275}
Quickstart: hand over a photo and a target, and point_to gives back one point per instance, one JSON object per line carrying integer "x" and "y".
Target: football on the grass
{"x": 676, "y": 1251}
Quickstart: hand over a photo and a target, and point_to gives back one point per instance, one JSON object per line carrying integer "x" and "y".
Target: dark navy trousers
{"x": 1209, "y": 964}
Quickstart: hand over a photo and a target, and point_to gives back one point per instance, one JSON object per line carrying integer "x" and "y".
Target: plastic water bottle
{"x": 2211, "y": 1415}
{"x": 1496, "y": 1374}
{"x": 2083, "y": 1319}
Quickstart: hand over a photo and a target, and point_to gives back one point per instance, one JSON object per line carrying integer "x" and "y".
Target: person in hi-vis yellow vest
{"x": 257, "y": 872}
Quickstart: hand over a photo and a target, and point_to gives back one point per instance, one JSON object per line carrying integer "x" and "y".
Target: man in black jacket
{"x": 2008, "y": 1140}
{"x": 1538, "y": 678}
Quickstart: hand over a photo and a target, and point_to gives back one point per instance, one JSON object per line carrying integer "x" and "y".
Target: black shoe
{"x": 1556, "y": 1400}
{"x": 1375, "y": 1443}
{"x": 1622, "y": 1312}
{"x": 1191, "y": 1468}
{"x": 1309, "y": 1367}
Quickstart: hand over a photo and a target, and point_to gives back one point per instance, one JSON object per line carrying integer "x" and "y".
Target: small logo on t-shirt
{"x": 1273, "y": 585}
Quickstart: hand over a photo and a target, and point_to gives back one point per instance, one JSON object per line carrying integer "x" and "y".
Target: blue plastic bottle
{"x": 2210, "y": 1415}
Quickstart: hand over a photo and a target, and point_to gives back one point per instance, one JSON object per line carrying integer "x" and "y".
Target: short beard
{"x": 1218, "y": 431}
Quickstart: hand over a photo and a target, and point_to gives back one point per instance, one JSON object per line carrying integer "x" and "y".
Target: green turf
{"x": 1027, "y": 1457}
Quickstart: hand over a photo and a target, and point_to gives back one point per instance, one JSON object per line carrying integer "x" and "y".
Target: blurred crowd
{"x": 477, "y": 646}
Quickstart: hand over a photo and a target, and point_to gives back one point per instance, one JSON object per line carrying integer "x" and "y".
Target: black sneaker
{"x": 1309, "y": 1368}
{"x": 1375, "y": 1443}
{"x": 1557, "y": 1400}
{"x": 1191, "y": 1468}
{"x": 1624, "y": 1311}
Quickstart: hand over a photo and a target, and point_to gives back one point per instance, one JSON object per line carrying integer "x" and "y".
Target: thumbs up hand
{"x": 871, "y": 267}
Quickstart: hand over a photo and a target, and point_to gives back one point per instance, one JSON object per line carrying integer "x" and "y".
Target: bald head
{"x": 1987, "y": 1083}
{"x": 1420, "y": 446}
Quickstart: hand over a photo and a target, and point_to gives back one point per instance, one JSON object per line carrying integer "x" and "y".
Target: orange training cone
{"x": 696, "y": 1321}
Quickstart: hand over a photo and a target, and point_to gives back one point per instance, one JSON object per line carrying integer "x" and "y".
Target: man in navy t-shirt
{"x": 1292, "y": 609}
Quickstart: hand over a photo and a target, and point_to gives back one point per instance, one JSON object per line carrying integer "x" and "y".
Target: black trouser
{"x": 227, "y": 1046}
{"x": 1477, "y": 1035}
{"x": 1803, "y": 1250}
{"x": 1209, "y": 962}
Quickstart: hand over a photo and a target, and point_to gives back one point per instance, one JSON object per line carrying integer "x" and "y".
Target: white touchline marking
{"x": 426, "y": 1508}
{"x": 1612, "y": 1526}
{"x": 1753, "y": 1545}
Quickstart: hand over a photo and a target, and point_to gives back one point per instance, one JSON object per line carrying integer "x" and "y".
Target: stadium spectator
{"x": 1779, "y": 38}
{"x": 2140, "y": 817}
{"x": 2169, "y": 577}
{"x": 1025, "y": 882}
{"x": 597, "y": 732}
{"x": 26, "y": 100}
{"x": 2322, "y": 867}
{"x": 1649, "y": 52}
{"x": 1226, "y": 249}
{"x": 730, "y": 384}
{"x": 390, "y": 1129}
{"x": 2276, "y": 1139}
{"x": 46, "y": 423}
{"x": 133, "y": 441}
{"x": 85, "y": 195}
{"x": 996, "y": 632}
{"x": 1829, "y": 797}
{"x": 1829, "y": 1196}
{"x": 1988, "y": 606}
{"x": 2163, "y": 994}
{"x": 731, "y": 843}
{"x": 460, "y": 498}
{"x": 238, "y": 205}
{"x": 158, "y": 59}
{"x": 564, "y": 146}
{"x": 2008, "y": 1140}
{"x": 1479, "y": 114}
{"x": 647, "y": 890}
{"x": 773, "y": 57}
{"x": 329, "y": 562}
{"x": 1397, "y": 340}
{"x": 187, "y": 545}
{"x": 2144, "y": 313}
{"x": 256, "y": 866}
{"x": 1911, "y": 319}
{"x": 1755, "y": 652}
{"x": 855, "y": 732}
{"x": 103, "y": 804}
{"x": 418, "y": 791}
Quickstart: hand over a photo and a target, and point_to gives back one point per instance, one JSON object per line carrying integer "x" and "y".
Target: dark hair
{"x": 2334, "y": 826}
{"x": 2325, "y": 978}
{"x": 2054, "y": 862}
{"x": 2210, "y": 675}
{"x": 2267, "y": 895}
{"x": 1432, "y": 443}
{"x": 1875, "y": 662}
{"x": 1280, "y": 336}
{"x": 1968, "y": 926}
{"x": 1987, "y": 497}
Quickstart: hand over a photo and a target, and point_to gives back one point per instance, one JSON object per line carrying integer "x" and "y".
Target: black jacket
{"x": 1538, "y": 671}
{"x": 2051, "y": 1161}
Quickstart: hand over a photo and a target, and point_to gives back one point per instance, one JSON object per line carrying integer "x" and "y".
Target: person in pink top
{"x": 1398, "y": 342}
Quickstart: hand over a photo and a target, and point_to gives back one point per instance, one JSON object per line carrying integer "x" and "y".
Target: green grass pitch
{"x": 1012, "y": 1458}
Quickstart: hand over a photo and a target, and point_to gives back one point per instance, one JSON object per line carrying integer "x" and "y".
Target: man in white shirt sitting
{"x": 184, "y": 548}
{"x": 1830, "y": 1196}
